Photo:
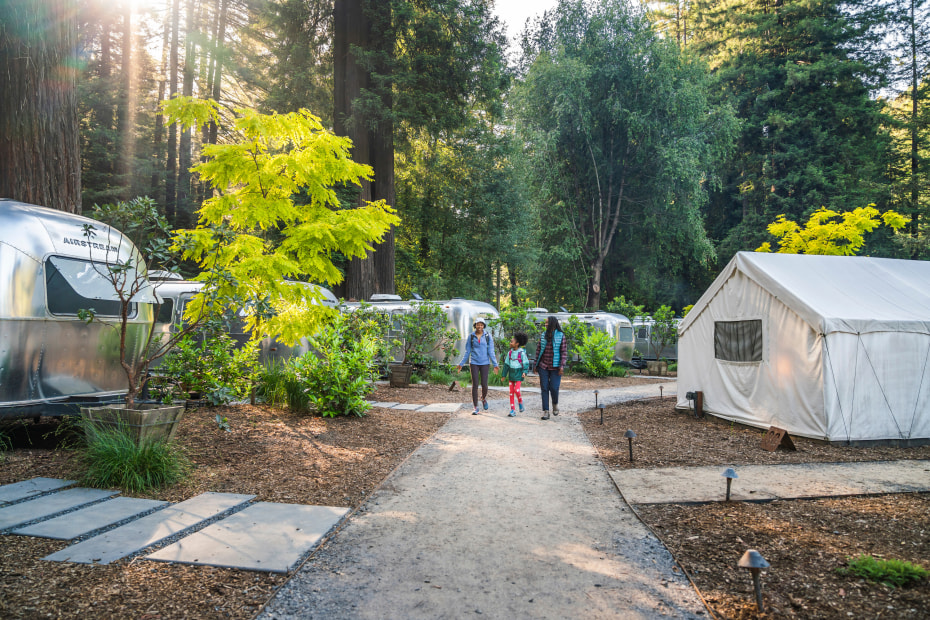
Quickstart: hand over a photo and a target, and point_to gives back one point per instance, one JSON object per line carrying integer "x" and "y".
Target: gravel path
{"x": 498, "y": 517}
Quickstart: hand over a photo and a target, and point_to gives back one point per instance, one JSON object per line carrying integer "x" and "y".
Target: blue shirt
{"x": 480, "y": 350}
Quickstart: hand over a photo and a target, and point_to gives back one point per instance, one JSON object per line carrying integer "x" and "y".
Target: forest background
{"x": 607, "y": 149}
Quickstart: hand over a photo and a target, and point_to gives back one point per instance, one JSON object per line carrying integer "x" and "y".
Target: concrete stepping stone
{"x": 139, "y": 534}
{"x": 264, "y": 537}
{"x": 765, "y": 482}
{"x": 407, "y": 407}
{"x": 442, "y": 407}
{"x": 48, "y": 505}
{"x": 28, "y": 488}
{"x": 91, "y": 518}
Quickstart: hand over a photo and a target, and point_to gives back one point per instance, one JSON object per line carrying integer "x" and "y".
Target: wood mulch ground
{"x": 805, "y": 541}
{"x": 281, "y": 457}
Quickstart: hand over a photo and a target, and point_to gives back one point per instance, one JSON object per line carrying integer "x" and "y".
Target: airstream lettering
{"x": 51, "y": 361}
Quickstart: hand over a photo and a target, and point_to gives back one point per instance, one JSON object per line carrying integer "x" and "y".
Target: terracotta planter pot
{"x": 144, "y": 423}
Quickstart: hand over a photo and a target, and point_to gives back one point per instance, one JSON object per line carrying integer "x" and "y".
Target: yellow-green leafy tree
{"x": 254, "y": 233}
{"x": 830, "y": 232}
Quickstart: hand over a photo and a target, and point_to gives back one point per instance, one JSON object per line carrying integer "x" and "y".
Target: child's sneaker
{"x": 512, "y": 414}
{"x": 521, "y": 407}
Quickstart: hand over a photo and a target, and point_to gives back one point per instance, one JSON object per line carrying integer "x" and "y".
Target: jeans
{"x": 479, "y": 373}
{"x": 549, "y": 381}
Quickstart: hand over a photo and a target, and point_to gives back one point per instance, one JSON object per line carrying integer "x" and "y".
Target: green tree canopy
{"x": 623, "y": 142}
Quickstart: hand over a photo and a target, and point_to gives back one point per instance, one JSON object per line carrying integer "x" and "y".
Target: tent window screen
{"x": 738, "y": 341}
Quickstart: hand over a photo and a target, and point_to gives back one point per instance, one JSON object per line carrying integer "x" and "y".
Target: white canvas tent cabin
{"x": 827, "y": 347}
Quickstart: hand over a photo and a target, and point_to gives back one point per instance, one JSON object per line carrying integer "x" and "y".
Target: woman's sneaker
{"x": 555, "y": 409}
{"x": 521, "y": 407}
{"x": 512, "y": 413}
{"x": 475, "y": 412}
{"x": 485, "y": 404}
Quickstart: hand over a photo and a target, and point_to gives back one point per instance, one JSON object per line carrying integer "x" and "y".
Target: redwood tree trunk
{"x": 39, "y": 154}
{"x": 185, "y": 207}
{"x": 124, "y": 129}
{"x": 352, "y": 28}
{"x": 171, "y": 167}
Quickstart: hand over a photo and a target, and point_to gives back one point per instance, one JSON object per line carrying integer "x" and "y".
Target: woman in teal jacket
{"x": 553, "y": 351}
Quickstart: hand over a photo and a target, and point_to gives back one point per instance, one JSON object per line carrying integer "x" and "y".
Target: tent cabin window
{"x": 73, "y": 284}
{"x": 738, "y": 341}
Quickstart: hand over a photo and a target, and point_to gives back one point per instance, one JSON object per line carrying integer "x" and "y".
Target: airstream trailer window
{"x": 643, "y": 333}
{"x": 166, "y": 311}
{"x": 738, "y": 341}
{"x": 626, "y": 333}
{"x": 73, "y": 284}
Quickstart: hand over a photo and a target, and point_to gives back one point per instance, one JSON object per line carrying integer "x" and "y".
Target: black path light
{"x": 660, "y": 393}
{"x": 754, "y": 561}
{"x": 597, "y": 406}
{"x": 729, "y": 474}
{"x": 630, "y": 435}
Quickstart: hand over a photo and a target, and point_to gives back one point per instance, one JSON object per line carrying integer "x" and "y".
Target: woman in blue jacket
{"x": 553, "y": 351}
{"x": 479, "y": 348}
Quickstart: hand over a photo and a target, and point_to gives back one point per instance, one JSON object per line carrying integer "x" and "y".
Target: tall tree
{"x": 811, "y": 132}
{"x": 124, "y": 112}
{"x": 623, "y": 139}
{"x": 185, "y": 210}
{"x": 39, "y": 153}
{"x": 171, "y": 165}
{"x": 406, "y": 63}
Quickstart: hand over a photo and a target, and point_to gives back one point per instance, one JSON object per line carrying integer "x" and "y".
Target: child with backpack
{"x": 516, "y": 365}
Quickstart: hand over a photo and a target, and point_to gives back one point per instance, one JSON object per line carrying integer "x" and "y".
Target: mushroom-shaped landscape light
{"x": 754, "y": 562}
{"x": 729, "y": 474}
{"x": 630, "y": 435}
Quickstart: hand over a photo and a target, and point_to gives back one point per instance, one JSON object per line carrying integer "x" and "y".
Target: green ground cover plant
{"x": 892, "y": 573}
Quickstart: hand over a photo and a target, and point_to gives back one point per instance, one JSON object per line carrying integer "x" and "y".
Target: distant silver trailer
{"x": 51, "y": 362}
{"x": 176, "y": 294}
{"x": 643, "y": 328}
{"x": 462, "y": 314}
{"x": 616, "y": 326}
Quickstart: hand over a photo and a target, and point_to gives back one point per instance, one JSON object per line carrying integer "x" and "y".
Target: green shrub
{"x": 215, "y": 367}
{"x": 892, "y": 573}
{"x": 617, "y": 371}
{"x": 575, "y": 333}
{"x": 596, "y": 353}
{"x": 334, "y": 378}
{"x": 441, "y": 376}
{"x": 673, "y": 367}
{"x": 112, "y": 458}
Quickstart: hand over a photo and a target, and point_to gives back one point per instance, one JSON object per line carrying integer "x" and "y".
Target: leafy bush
{"x": 673, "y": 367}
{"x": 425, "y": 331}
{"x": 112, "y": 458}
{"x": 441, "y": 376}
{"x": 892, "y": 573}
{"x": 216, "y": 367}
{"x": 617, "y": 371}
{"x": 334, "y": 378}
{"x": 576, "y": 332}
{"x": 515, "y": 319}
{"x": 596, "y": 353}
{"x": 664, "y": 330}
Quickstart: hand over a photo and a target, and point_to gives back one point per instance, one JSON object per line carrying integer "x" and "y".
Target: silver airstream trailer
{"x": 616, "y": 326}
{"x": 176, "y": 294}
{"x": 51, "y": 362}
{"x": 642, "y": 326}
{"x": 461, "y": 313}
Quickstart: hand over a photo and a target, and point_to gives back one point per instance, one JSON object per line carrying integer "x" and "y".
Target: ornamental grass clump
{"x": 892, "y": 573}
{"x": 112, "y": 458}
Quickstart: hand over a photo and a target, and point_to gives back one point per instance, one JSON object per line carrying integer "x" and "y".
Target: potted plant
{"x": 425, "y": 331}
{"x": 137, "y": 304}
